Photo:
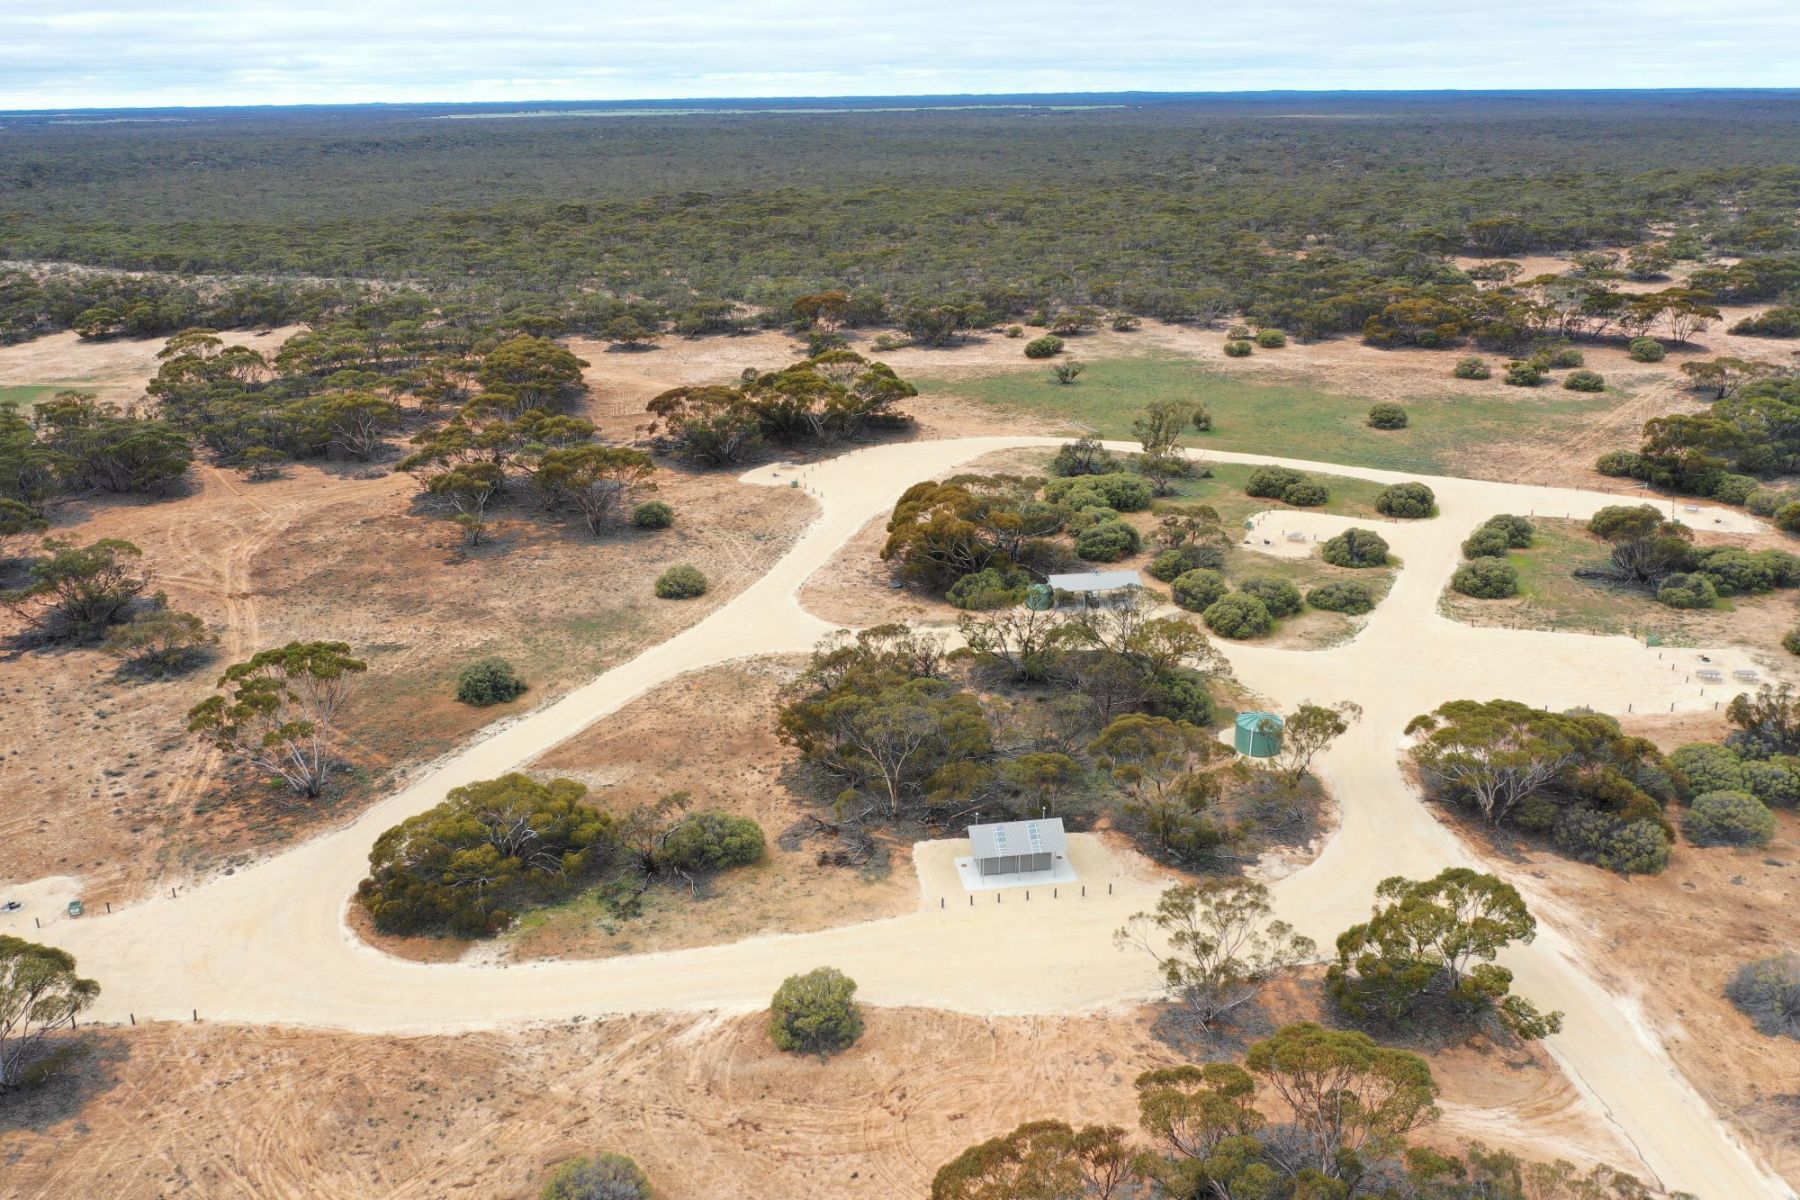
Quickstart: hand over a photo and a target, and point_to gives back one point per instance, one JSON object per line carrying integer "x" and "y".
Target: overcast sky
{"x": 115, "y": 53}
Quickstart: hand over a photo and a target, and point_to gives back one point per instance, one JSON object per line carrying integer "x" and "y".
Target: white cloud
{"x": 97, "y": 53}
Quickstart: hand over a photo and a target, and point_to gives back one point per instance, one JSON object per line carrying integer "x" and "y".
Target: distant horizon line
{"x": 925, "y": 98}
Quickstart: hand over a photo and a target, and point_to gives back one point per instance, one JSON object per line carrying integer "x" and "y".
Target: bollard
{"x": 1109, "y": 887}
{"x": 109, "y": 908}
{"x": 1053, "y": 893}
{"x": 1084, "y": 889}
{"x": 1671, "y": 706}
{"x": 196, "y": 1016}
{"x": 133, "y": 1017}
{"x": 971, "y": 902}
{"x": 1028, "y": 895}
{"x": 37, "y": 922}
{"x": 997, "y": 897}
{"x": 940, "y": 901}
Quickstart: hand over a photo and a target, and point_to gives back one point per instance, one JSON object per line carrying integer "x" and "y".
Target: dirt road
{"x": 269, "y": 944}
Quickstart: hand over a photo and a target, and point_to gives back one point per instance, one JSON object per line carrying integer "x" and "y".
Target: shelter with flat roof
{"x": 1094, "y": 587}
{"x": 1018, "y": 847}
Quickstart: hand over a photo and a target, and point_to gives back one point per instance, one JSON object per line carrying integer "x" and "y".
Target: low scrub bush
{"x": 1768, "y": 992}
{"x": 602, "y": 1177}
{"x": 653, "y": 514}
{"x": 1307, "y": 493}
{"x": 815, "y": 1013}
{"x": 1523, "y": 374}
{"x": 705, "y": 842}
{"x": 1237, "y": 348}
{"x": 1584, "y": 381}
{"x": 683, "y": 581}
{"x": 1271, "y": 339}
{"x": 1280, "y": 597}
{"x": 1048, "y": 346}
{"x": 1238, "y": 617}
{"x": 1710, "y": 768}
{"x": 1687, "y": 591}
{"x": 1472, "y": 368}
{"x": 1606, "y": 840}
{"x": 1198, "y": 590}
{"x": 1645, "y": 350}
{"x": 1728, "y": 818}
{"x": 1119, "y": 490}
{"x": 1486, "y": 579}
{"x": 1343, "y": 596}
{"x": 488, "y": 681}
{"x": 1409, "y": 501}
{"x": 1387, "y": 416}
{"x": 987, "y": 589}
{"x": 1107, "y": 542}
{"x": 1620, "y": 463}
{"x": 1356, "y": 548}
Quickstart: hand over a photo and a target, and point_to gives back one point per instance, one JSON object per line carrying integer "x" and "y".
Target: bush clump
{"x": 1343, "y": 596}
{"x": 1645, "y": 350}
{"x": 1387, "y": 416}
{"x": 602, "y": 1177}
{"x": 1472, "y": 368}
{"x": 488, "y": 681}
{"x": 1108, "y": 541}
{"x": 1280, "y": 597}
{"x": 1584, "y": 381}
{"x": 1356, "y": 547}
{"x": 1630, "y": 847}
{"x": 1238, "y": 617}
{"x": 1198, "y": 590}
{"x": 1619, "y": 463}
{"x": 1768, "y": 992}
{"x": 1407, "y": 500}
{"x": 1048, "y": 346}
{"x": 1710, "y": 768}
{"x": 1687, "y": 591}
{"x": 1121, "y": 491}
{"x": 1271, "y": 339}
{"x": 422, "y": 870}
{"x": 1523, "y": 374}
{"x": 684, "y": 581}
{"x": 1728, "y": 819}
{"x": 815, "y": 1013}
{"x": 1237, "y": 348}
{"x": 653, "y": 514}
{"x": 1290, "y": 487}
{"x": 705, "y": 842}
{"x": 1495, "y": 536}
{"x": 1565, "y": 357}
{"x": 986, "y": 589}
{"x": 1486, "y": 579}
{"x": 1170, "y": 565}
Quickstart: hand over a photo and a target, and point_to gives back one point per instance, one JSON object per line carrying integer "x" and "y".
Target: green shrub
{"x": 1485, "y": 543}
{"x": 1765, "y": 501}
{"x": 1523, "y": 374}
{"x": 987, "y": 589}
{"x": 1387, "y": 416}
{"x": 1271, "y": 339}
{"x": 1280, "y": 597}
{"x": 653, "y": 514}
{"x": 815, "y": 1013}
{"x": 1486, "y": 579}
{"x": 1735, "y": 571}
{"x": 603, "y": 1177}
{"x": 1198, "y": 590}
{"x": 1121, "y": 490}
{"x": 1271, "y": 483}
{"x": 704, "y": 842}
{"x": 1171, "y": 564}
{"x": 1687, "y": 591}
{"x": 1237, "y": 348}
{"x": 1790, "y": 641}
{"x": 1566, "y": 357}
{"x": 1782, "y": 321}
{"x": 1407, "y": 500}
{"x": 1518, "y": 530}
{"x": 1629, "y": 847}
{"x": 1356, "y": 547}
{"x": 1085, "y": 456}
{"x": 419, "y": 870}
{"x": 1710, "y": 768}
{"x": 488, "y": 681}
{"x": 1584, "y": 381}
{"x": 1787, "y": 517}
{"x": 1729, "y": 488}
{"x": 1108, "y": 542}
{"x": 1015, "y": 331}
{"x": 1728, "y": 819}
{"x": 1472, "y": 368}
{"x": 1238, "y": 616}
{"x": 1307, "y": 493}
{"x": 1774, "y": 781}
{"x": 1048, "y": 346}
{"x": 1342, "y": 596}
{"x": 1768, "y": 992}
{"x": 1645, "y": 350}
{"x": 683, "y": 581}
{"x": 1620, "y": 463}
{"x": 1088, "y": 516}
{"x": 1181, "y": 694}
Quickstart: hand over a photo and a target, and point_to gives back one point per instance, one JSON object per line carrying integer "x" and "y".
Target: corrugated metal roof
{"x": 1019, "y": 837}
{"x": 1096, "y": 581}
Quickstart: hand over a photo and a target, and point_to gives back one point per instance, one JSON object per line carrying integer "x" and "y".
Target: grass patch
{"x": 1551, "y": 596}
{"x": 27, "y": 396}
{"x": 1224, "y": 491}
{"x": 1290, "y": 419}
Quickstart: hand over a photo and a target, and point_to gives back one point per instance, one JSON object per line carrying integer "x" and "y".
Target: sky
{"x": 151, "y": 53}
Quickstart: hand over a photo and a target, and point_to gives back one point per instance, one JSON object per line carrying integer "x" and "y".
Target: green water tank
{"x": 1258, "y": 734}
{"x": 1040, "y": 597}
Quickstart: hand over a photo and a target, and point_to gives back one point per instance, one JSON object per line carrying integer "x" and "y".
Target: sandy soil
{"x": 266, "y": 563}
{"x": 1669, "y": 943}
{"x": 116, "y": 369}
{"x": 705, "y": 1105}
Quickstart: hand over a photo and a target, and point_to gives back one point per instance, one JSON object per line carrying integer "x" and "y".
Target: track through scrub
{"x": 270, "y": 944}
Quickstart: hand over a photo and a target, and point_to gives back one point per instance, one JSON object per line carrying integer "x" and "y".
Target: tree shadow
{"x": 1225, "y": 1040}
{"x": 80, "y": 1066}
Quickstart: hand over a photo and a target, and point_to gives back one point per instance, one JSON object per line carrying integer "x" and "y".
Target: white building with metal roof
{"x": 1015, "y": 853}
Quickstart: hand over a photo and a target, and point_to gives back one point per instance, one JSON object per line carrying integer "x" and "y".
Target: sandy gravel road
{"x": 269, "y": 944}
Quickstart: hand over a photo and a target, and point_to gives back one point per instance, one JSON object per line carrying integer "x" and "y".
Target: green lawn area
{"x": 1281, "y": 419}
{"x": 1552, "y": 596}
{"x": 1224, "y": 491}
{"x": 26, "y": 397}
